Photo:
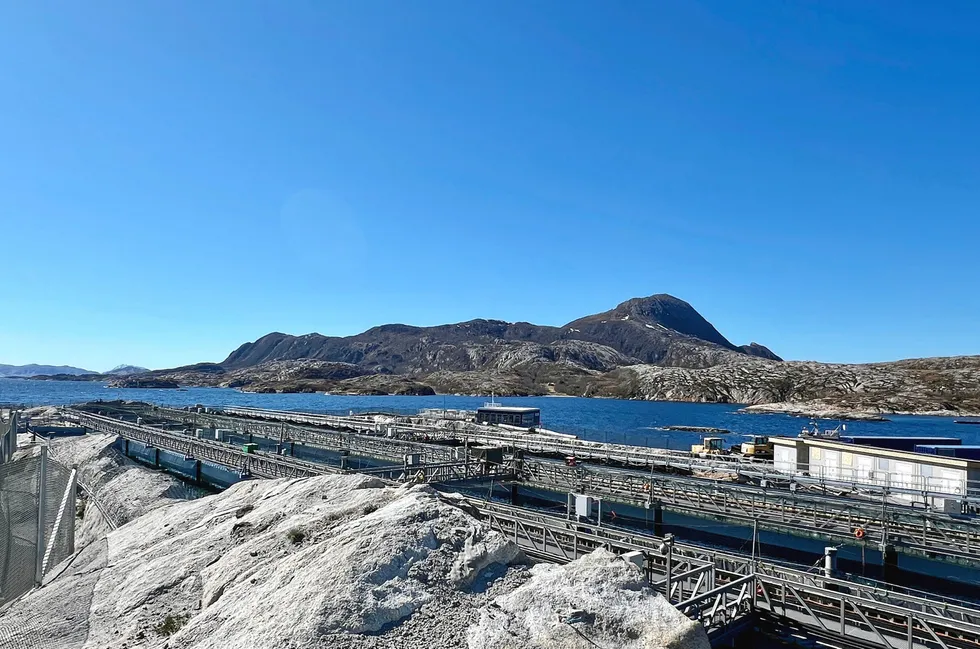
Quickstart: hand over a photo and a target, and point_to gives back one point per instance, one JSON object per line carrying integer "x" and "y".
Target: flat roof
{"x": 507, "y": 409}
{"x": 860, "y": 449}
{"x": 854, "y": 438}
{"x": 949, "y": 445}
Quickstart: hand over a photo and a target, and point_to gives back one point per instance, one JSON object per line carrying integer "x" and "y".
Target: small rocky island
{"x": 143, "y": 381}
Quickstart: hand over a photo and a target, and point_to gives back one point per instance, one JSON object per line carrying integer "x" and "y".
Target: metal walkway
{"x": 623, "y": 454}
{"x": 263, "y": 465}
{"x": 720, "y": 588}
{"x": 812, "y": 514}
{"x": 909, "y": 530}
{"x": 375, "y": 446}
{"x": 271, "y": 465}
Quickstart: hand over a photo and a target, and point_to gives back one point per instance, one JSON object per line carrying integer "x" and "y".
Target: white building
{"x": 936, "y": 480}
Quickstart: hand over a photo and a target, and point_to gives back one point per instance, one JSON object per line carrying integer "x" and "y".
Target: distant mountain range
{"x": 38, "y": 370}
{"x": 30, "y": 371}
{"x": 477, "y": 356}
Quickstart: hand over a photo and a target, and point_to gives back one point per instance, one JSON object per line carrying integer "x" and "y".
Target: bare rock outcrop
{"x": 332, "y": 561}
{"x": 599, "y": 600}
{"x": 948, "y": 386}
{"x": 125, "y": 490}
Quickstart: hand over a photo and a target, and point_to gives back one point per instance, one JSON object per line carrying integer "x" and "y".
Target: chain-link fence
{"x": 37, "y": 521}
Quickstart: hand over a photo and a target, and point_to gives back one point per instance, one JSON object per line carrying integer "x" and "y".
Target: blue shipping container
{"x": 901, "y": 443}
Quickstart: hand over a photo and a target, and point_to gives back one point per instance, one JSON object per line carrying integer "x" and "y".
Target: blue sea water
{"x": 612, "y": 420}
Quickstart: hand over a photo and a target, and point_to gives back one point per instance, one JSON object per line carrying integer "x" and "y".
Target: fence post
{"x": 42, "y": 493}
{"x": 8, "y": 441}
{"x": 72, "y": 509}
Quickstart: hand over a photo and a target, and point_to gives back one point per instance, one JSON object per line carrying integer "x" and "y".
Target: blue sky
{"x": 177, "y": 178}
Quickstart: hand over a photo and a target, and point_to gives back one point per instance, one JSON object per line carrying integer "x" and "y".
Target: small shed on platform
{"x": 510, "y": 415}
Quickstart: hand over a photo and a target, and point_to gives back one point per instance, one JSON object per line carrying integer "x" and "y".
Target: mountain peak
{"x": 755, "y": 349}
{"x": 670, "y": 312}
{"x": 122, "y": 370}
{"x": 653, "y": 306}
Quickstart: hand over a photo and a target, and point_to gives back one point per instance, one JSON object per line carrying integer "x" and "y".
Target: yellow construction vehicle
{"x": 757, "y": 446}
{"x": 709, "y": 446}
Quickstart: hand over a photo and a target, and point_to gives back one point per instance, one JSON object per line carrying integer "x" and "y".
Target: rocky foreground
{"x": 338, "y": 562}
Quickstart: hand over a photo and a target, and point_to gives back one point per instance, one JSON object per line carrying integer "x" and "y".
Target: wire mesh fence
{"x": 57, "y": 616}
{"x": 59, "y": 510}
{"x": 18, "y": 526}
{"x": 37, "y": 521}
{"x": 19, "y": 636}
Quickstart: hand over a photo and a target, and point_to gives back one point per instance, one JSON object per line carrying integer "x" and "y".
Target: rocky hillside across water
{"x": 660, "y": 329}
{"x": 939, "y": 386}
{"x": 654, "y": 348}
{"x": 126, "y": 370}
{"x": 64, "y": 373}
{"x": 29, "y": 371}
{"x": 471, "y": 357}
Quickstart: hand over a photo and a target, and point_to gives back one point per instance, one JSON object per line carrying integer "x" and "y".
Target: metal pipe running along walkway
{"x": 720, "y": 588}
{"x": 625, "y": 454}
{"x": 836, "y": 518}
{"x": 529, "y": 442}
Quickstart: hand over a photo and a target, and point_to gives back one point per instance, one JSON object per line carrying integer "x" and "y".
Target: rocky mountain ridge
{"x": 939, "y": 386}
{"x": 519, "y": 358}
{"x": 656, "y": 348}
{"x": 659, "y": 329}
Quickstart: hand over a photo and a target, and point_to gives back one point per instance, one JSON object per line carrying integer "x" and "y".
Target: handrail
{"x": 642, "y": 455}
{"x": 716, "y": 591}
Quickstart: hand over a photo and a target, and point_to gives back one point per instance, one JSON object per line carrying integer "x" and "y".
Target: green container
{"x": 250, "y": 448}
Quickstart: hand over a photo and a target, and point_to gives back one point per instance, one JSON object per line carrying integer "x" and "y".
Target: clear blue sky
{"x": 177, "y": 178}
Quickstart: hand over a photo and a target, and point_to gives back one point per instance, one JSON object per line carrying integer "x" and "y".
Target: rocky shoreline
{"x": 824, "y": 411}
{"x": 948, "y": 387}
{"x": 812, "y": 411}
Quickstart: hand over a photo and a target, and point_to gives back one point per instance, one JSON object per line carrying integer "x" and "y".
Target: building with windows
{"x": 941, "y": 481}
{"x": 493, "y": 413}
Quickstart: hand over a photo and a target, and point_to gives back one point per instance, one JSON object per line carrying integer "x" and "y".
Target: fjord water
{"x": 612, "y": 420}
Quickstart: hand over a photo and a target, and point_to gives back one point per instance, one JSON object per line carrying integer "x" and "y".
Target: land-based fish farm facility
{"x": 831, "y": 542}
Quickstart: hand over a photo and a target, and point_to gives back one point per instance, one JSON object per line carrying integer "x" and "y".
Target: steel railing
{"x": 816, "y": 477}
{"x": 843, "y": 609}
